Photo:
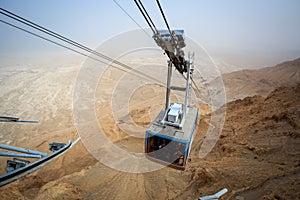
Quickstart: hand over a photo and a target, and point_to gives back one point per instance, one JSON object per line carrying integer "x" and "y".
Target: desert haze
{"x": 256, "y": 157}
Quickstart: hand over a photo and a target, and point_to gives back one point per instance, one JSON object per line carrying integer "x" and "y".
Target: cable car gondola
{"x": 171, "y": 145}
{"x": 169, "y": 138}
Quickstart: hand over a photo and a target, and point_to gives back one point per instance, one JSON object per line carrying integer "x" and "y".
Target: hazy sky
{"x": 239, "y": 32}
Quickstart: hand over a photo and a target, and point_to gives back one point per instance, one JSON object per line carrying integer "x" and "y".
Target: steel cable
{"x": 69, "y": 41}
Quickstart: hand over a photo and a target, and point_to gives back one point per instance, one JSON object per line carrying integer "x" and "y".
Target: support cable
{"x": 146, "y": 16}
{"x": 172, "y": 58}
{"x": 51, "y": 41}
{"x": 139, "y": 73}
{"x": 58, "y": 36}
{"x": 165, "y": 19}
{"x": 166, "y": 22}
{"x": 69, "y": 41}
{"x": 145, "y": 11}
{"x": 131, "y": 17}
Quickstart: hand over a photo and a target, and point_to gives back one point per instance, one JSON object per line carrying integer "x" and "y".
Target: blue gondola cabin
{"x": 170, "y": 145}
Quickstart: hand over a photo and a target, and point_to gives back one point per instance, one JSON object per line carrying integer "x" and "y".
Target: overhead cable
{"x": 162, "y": 13}
{"x": 131, "y": 17}
{"x": 56, "y": 43}
{"x": 171, "y": 55}
{"x": 146, "y": 16}
{"x": 69, "y": 41}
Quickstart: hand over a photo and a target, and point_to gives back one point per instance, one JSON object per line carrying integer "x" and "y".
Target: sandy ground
{"x": 256, "y": 157}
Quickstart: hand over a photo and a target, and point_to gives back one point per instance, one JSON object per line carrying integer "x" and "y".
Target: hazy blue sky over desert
{"x": 248, "y": 33}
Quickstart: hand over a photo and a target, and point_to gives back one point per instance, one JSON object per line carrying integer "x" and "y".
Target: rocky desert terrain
{"x": 243, "y": 83}
{"x": 257, "y": 155}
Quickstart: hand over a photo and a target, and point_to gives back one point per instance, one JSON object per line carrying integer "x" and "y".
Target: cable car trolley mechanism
{"x": 169, "y": 137}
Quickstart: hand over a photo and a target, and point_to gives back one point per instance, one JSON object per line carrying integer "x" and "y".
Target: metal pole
{"x": 22, "y": 150}
{"x": 168, "y": 85}
{"x": 15, "y": 119}
{"x": 187, "y": 89}
{"x": 29, "y": 121}
{"x": 23, "y": 155}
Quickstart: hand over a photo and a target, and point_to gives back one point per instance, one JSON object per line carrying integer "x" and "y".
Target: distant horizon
{"x": 65, "y": 58}
{"x": 247, "y": 34}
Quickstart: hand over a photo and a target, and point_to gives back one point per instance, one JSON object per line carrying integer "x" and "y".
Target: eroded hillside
{"x": 256, "y": 157}
{"x": 244, "y": 83}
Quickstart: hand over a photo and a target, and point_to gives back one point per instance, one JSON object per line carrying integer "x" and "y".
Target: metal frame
{"x": 27, "y": 153}
{"x": 31, "y": 167}
{"x": 190, "y": 69}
